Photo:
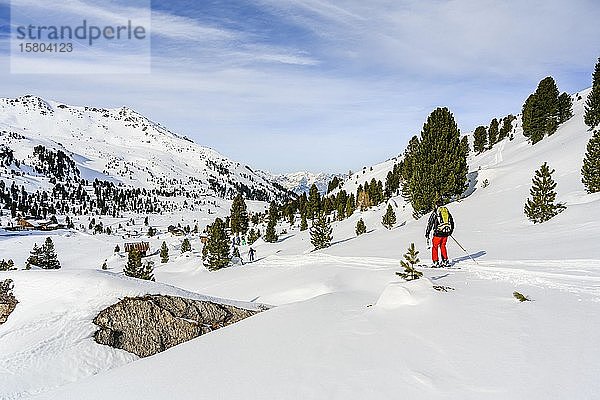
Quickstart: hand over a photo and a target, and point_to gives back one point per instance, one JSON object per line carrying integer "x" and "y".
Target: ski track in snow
{"x": 573, "y": 276}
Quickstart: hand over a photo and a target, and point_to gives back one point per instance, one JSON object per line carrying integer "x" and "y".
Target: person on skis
{"x": 442, "y": 225}
{"x": 251, "y": 254}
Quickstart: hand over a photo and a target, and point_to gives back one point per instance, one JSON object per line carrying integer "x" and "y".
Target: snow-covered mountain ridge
{"x": 123, "y": 147}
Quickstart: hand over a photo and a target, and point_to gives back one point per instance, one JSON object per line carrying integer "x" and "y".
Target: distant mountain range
{"x": 300, "y": 182}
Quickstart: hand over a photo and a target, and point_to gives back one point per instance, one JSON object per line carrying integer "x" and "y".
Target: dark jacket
{"x": 434, "y": 221}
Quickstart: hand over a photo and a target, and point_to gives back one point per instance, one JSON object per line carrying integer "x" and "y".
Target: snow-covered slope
{"x": 300, "y": 182}
{"x": 122, "y": 146}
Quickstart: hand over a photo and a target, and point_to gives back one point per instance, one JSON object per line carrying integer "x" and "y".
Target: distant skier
{"x": 442, "y": 225}
{"x": 251, "y": 254}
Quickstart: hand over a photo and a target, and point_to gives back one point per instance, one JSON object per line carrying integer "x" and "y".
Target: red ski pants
{"x": 439, "y": 242}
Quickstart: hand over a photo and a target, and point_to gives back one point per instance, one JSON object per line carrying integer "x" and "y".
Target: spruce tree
{"x": 49, "y": 260}
{"x": 215, "y": 252}
{"x": 133, "y": 268}
{"x": 186, "y": 246}
{"x": 411, "y": 259}
{"x": 438, "y": 166}
{"x": 592, "y": 104}
{"x": 360, "y": 227}
{"x": 480, "y": 137}
{"x": 270, "y": 234}
{"x": 591, "y": 164}
{"x": 164, "y": 253}
{"x": 239, "y": 220}
{"x": 389, "y": 218}
{"x": 320, "y": 232}
{"x": 493, "y": 133}
{"x": 541, "y": 207}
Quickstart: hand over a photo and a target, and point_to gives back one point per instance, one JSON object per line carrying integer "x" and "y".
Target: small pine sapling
{"x": 411, "y": 259}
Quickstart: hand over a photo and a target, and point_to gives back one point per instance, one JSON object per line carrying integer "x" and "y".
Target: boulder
{"x": 8, "y": 302}
{"x": 151, "y": 324}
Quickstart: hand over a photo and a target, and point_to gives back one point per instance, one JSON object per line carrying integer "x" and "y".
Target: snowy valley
{"x": 338, "y": 323}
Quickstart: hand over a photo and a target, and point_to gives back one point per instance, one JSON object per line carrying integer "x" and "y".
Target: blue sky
{"x": 328, "y": 85}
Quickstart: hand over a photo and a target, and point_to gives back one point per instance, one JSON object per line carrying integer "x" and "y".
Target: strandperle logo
{"x": 91, "y": 37}
{"x": 89, "y": 33}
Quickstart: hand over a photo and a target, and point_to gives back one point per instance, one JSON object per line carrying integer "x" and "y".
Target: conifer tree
{"x": 133, "y": 268}
{"x": 350, "y": 205}
{"x": 411, "y": 259}
{"x": 186, "y": 246}
{"x": 592, "y": 104}
{"x": 270, "y": 234}
{"x": 215, "y": 252}
{"x": 147, "y": 271}
{"x": 252, "y": 236}
{"x": 493, "y": 133}
{"x": 360, "y": 227}
{"x": 35, "y": 257}
{"x": 49, "y": 260}
{"x": 314, "y": 201}
{"x": 389, "y": 218}
{"x": 303, "y": 222}
{"x": 320, "y": 232}
{"x": 164, "y": 253}
{"x": 480, "y": 137}
{"x": 506, "y": 127}
{"x": 591, "y": 164}
{"x": 541, "y": 111}
{"x": 565, "y": 107}
{"x": 239, "y": 216}
{"x": 438, "y": 166}
{"x": 541, "y": 207}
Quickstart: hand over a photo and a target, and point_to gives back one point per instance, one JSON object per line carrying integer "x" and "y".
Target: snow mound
{"x": 398, "y": 294}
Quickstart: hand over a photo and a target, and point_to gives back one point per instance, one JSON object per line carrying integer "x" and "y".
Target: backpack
{"x": 444, "y": 225}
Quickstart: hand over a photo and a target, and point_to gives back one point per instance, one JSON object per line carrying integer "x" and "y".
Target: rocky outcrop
{"x": 8, "y": 302}
{"x": 151, "y": 324}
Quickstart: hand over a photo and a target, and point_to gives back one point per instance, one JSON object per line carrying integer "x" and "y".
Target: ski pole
{"x": 463, "y": 249}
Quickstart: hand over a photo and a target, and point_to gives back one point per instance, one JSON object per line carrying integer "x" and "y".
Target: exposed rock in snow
{"x": 8, "y": 302}
{"x": 151, "y": 324}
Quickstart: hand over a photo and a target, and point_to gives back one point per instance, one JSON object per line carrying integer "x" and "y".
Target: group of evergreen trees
{"x": 7, "y": 265}
{"x": 43, "y": 257}
{"x": 545, "y": 110}
{"x": 485, "y": 138}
